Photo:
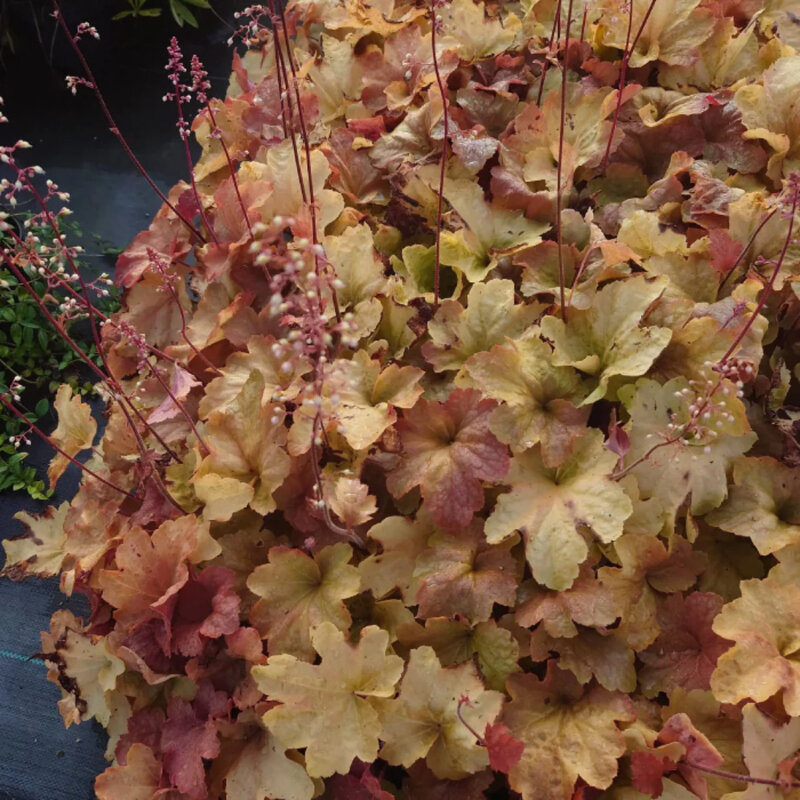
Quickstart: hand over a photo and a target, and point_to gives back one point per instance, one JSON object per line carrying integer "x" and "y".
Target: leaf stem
{"x": 440, "y": 194}
{"x": 748, "y": 244}
{"x": 464, "y": 701}
{"x": 559, "y": 170}
{"x": 629, "y": 48}
{"x": 735, "y": 776}
{"x": 10, "y": 406}
{"x": 771, "y": 282}
{"x": 113, "y": 125}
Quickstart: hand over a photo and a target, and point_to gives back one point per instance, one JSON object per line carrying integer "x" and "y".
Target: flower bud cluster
{"x": 704, "y": 411}
{"x": 85, "y": 29}
{"x": 136, "y": 339}
{"x": 255, "y": 28}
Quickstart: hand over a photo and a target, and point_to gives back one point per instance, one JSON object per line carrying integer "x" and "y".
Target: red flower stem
{"x": 748, "y": 244}
{"x": 629, "y": 48}
{"x": 4, "y": 400}
{"x": 583, "y": 23}
{"x": 640, "y": 31}
{"x": 440, "y": 83}
{"x": 185, "y": 139}
{"x": 107, "y": 376}
{"x": 230, "y": 167}
{"x": 203, "y": 446}
{"x": 546, "y": 63}
{"x": 326, "y": 513}
{"x": 113, "y": 125}
{"x": 287, "y": 99}
{"x": 559, "y": 181}
{"x": 115, "y": 388}
{"x": 34, "y": 258}
{"x": 280, "y": 61}
{"x": 184, "y": 335}
{"x": 770, "y": 283}
{"x": 735, "y": 776}
{"x": 623, "y": 471}
{"x": 307, "y": 148}
{"x": 464, "y": 701}
{"x": 281, "y": 90}
{"x": 581, "y": 268}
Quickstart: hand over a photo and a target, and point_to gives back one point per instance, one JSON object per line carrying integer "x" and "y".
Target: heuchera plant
{"x": 453, "y": 415}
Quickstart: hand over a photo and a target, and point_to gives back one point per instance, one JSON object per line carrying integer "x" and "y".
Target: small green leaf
{"x": 182, "y": 14}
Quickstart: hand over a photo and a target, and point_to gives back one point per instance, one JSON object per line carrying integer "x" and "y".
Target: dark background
{"x": 39, "y": 758}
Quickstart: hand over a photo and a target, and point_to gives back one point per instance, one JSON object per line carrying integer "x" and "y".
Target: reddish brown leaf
{"x": 190, "y": 735}
{"x": 422, "y": 784}
{"x": 504, "y": 750}
{"x": 462, "y": 574}
{"x": 647, "y": 772}
{"x": 447, "y": 451}
{"x": 686, "y": 651}
{"x": 207, "y": 607}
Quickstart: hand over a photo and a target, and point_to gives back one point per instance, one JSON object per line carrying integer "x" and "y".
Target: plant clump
{"x": 453, "y": 415}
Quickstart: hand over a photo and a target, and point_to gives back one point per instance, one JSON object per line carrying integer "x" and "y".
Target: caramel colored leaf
{"x": 770, "y": 113}
{"x": 353, "y": 257}
{"x": 766, "y": 743}
{"x": 75, "y": 432}
{"x": 491, "y": 232}
{"x": 764, "y": 627}
{"x": 264, "y": 356}
{"x": 138, "y": 779}
{"x": 588, "y": 602}
{"x": 368, "y": 395}
{"x": 247, "y": 462}
{"x": 422, "y": 722}
{"x": 329, "y": 708}
{"x": 151, "y": 569}
{"x": 606, "y": 339}
{"x": 477, "y": 36}
{"x": 83, "y": 667}
{"x": 554, "y": 507}
{"x": 41, "y": 550}
{"x": 298, "y": 592}
{"x": 672, "y": 33}
{"x": 763, "y": 503}
{"x": 538, "y": 399}
{"x": 604, "y": 656}
{"x": 568, "y": 733}
{"x": 489, "y": 318}
{"x": 647, "y": 570}
{"x": 351, "y": 501}
{"x": 263, "y": 770}
{"x": 402, "y": 540}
